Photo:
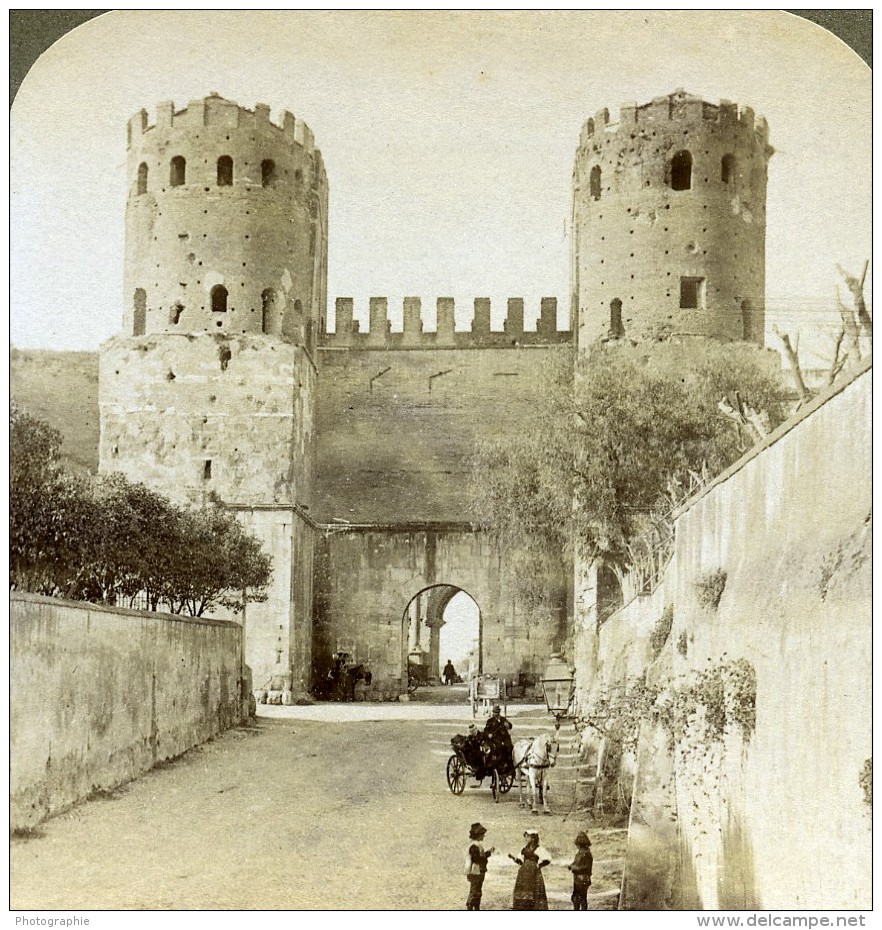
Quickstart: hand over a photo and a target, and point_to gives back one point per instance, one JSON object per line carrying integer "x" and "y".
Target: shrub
{"x": 710, "y": 589}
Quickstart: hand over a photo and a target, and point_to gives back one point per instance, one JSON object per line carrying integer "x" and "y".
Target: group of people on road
{"x": 529, "y": 889}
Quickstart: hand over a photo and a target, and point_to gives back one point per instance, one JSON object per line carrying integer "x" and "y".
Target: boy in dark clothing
{"x": 476, "y": 867}
{"x": 581, "y": 869}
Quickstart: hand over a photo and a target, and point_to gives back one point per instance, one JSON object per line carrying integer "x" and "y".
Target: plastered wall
{"x": 777, "y": 820}
{"x": 98, "y": 696}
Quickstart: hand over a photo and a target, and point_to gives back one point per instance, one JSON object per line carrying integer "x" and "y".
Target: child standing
{"x": 476, "y": 865}
{"x": 581, "y": 869}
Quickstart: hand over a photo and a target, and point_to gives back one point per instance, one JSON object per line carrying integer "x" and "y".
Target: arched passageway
{"x": 441, "y": 623}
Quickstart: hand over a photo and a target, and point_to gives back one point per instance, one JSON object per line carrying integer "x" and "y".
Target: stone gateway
{"x": 346, "y": 452}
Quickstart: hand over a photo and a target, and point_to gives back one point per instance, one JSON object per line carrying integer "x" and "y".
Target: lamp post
{"x": 558, "y": 686}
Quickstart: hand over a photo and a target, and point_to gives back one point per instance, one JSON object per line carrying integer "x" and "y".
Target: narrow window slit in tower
{"x": 139, "y": 323}
{"x": 594, "y": 182}
{"x": 178, "y": 171}
{"x": 727, "y": 169}
{"x": 681, "y": 171}
{"x": 218, "y": 299}
{"x": 206, "y": 470}
{"x": 616, "y": 329}
{"x": 692, "y": 293}
{"x": 225, "y": 171}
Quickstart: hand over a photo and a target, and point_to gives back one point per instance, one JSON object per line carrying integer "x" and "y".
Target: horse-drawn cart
{"x": 484, "y": 692}
{"x": 473, "y": 758}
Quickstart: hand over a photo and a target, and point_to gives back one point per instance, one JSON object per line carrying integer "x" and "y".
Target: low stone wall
{"x": 100, "y": 695}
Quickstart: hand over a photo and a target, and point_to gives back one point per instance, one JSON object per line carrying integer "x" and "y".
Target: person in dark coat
{"x": 581, "y": 868}
{"x": 529, "y": 890}
{"x": 476, "y": 866}
{"x": 449, "y": 673}
{"x": 473, "y": 751}
{"x": 498, "y": 738}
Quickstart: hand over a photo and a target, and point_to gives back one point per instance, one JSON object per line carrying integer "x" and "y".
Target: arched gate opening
{"x": 441, "y": 625}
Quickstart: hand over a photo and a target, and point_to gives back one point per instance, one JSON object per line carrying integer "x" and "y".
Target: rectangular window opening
{"x": 206, "y": 470}
{"x": 692, "y": 291}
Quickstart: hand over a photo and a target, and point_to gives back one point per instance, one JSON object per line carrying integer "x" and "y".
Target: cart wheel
{"x": 505, "y": 782}
{"x": 456, "y": 776}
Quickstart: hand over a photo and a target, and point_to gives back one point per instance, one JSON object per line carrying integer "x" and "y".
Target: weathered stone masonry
{"x": 353, "y": 445}
{"x": 669, "y": 221}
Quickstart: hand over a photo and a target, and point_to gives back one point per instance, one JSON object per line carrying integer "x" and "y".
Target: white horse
{"x": 533, "y": 757}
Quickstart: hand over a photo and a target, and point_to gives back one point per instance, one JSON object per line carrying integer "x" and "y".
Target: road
{"x": 320, "y": 813}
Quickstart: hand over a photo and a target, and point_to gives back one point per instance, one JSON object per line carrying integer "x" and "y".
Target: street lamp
{"x": 558, "y": 686}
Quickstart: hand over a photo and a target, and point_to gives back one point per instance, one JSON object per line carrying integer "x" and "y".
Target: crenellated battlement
{"x": 379, "y": 334}
{"x": 217, "y": 112}
{"x": 680, "y": 108}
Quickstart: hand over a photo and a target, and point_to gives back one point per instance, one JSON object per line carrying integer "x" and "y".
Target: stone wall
{"x": 395, "y": 428}
{"x": 98, "y": 696}
{"x": 278, "y": 631}
{"x": 365, "y": 578}
{"x": 191, "y": 415}
{"x": 258, "y": 233}
{"x": 773, "y": 817}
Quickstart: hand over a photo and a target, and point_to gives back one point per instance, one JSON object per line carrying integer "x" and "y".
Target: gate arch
{"x": 421, "y": 625}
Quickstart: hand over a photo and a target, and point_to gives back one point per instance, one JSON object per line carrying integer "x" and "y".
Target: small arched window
{"x": 139, "y": 323}
{"x": 178, "y": 173}
{"x": 746, "y": 321}
{"x": 727, "y": 169}
{"x": 268, "y": 172}
{"x": 142, "y": 178}
{"x": 594, "y": 182}
{"x": 681, "y": 171}
{"x": 225, "y": 171}
{"x": 268, "y": 300}
{"x": 616, "y": 329}
{"x": 218, "y": 299}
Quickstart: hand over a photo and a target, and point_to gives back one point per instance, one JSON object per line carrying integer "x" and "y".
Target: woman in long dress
{"x": 529, "y": 889}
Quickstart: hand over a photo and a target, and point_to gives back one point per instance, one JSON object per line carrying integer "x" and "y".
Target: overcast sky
{"x": 448, "y": 138}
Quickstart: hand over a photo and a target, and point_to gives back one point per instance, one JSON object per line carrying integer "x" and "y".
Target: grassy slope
{"x": 62, "y": 389}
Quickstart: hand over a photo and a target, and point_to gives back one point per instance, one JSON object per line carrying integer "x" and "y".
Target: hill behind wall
{"x": 395, "y": 429}
{"x": 62, "y": 389}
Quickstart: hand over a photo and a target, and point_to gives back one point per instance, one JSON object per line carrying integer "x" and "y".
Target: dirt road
{"x": 297, "y": 813}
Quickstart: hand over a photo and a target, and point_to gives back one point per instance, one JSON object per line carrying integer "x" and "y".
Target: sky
{"x": 459, "y": 635}
{"x": 448, "y": 138}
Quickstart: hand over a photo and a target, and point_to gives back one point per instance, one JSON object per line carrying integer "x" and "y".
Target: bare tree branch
{"x": 795, "y": 369}
{"x": 856, "y": 286}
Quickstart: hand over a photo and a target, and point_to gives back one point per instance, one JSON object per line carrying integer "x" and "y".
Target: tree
{"x": 49, "y": 511}
{"x": 109, "y": 540}
{"x": 611, "y": 439}
{"x": 217, "y": 563}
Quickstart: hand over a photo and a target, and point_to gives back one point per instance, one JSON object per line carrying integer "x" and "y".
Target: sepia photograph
{"x": 440, "y": 463}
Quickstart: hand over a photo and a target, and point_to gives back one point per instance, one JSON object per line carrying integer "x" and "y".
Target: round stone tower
{"x": 226, "y": 224}
{"x": 669, "y": 221}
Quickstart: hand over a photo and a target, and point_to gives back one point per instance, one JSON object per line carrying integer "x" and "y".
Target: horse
{"x": 533, "y": 757}
{"x": 339, "y": 681}
{"x": 353, "y": 675}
